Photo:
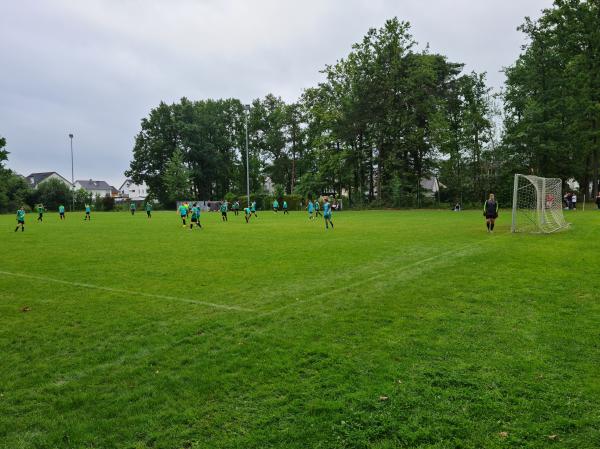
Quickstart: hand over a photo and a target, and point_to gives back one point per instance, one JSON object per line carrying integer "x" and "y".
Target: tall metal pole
{"x": 247, "y": 109}
{"x": 72, "y": 177}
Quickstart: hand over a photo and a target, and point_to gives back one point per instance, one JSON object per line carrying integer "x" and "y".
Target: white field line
{"x": 125, "y": 292}
{"x": 447, "y": 255}
{"x": 77, "y": 375}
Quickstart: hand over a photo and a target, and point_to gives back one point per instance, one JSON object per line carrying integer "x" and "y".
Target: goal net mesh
{"x": 537, "y": 204}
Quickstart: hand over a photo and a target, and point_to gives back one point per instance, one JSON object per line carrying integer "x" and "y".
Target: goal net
{"x": 537, "y": 204}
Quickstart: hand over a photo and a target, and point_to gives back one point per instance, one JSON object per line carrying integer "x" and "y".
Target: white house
{"x": 96, "y": 188}
{"x": 133, "y": 191}
{"x": 35, "y": 179}
{"x": 432, "y": 186}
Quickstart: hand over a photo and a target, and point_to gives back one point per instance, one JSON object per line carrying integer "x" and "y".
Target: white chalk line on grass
{"x": 456, "y": 252}
{"x": 77, "y": 375}
{"x": 125, "y": 292}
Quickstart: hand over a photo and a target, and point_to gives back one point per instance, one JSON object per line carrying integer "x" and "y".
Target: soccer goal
{"x": 537, "y": 205}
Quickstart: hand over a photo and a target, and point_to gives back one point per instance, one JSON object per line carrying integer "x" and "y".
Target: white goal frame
{"x": 537, "y": 205}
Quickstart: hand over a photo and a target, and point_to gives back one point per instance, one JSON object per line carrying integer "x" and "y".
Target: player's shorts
{"x": 194, "y": 220}
{"x": 328, "y": 216}
{"x": 491, "y": 216}
{"x": 20, "y": 221}
{"x": 87, "y": 213}
{"x": 62, "y": 214}
{"x": 223, "y": 214}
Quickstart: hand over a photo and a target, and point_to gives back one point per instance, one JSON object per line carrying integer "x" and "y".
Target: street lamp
{"x": 247, "y": 111}
{"x": 72, "y": 177}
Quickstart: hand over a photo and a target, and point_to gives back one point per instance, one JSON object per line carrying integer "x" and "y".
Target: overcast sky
{"x": 96, "y": 67}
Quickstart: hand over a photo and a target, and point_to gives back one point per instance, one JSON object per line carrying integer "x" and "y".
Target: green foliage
{"x": 552, "y": 97}
{"x": 177, "y": 178}
{"x": 108, "y": 203}
{"x": 14, "y": 190}
{"x": 53, "y": 193}
{"x": 3, "y": 152}
{"x": 82, "y": 197}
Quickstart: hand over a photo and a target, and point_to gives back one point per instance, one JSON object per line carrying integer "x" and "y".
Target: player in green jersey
{"x": 285, "y": 208}
{"x": 317, "y": 208}
{"x": 88, "y": 213}
{"x": 40, "y": 211}
{"x": 61, "y": 212}
{"x": 247, "y": 213}
{"x": 223, "y": 210}
{"x": 195, "y": 216}
{"x": 253, "y": 208}
{"x": 149, "y": 209}
{"x": 183, "y": 213}
{"x": 21, "y": 219}
{"x": 236, "y": 207}
{"x": 275, "y": 206}
{"x": 132, "y": 208}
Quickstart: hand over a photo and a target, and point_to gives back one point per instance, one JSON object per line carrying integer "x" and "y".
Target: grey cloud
{"x": 96, "y": 67}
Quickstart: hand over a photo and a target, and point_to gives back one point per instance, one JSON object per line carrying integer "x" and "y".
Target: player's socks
{"x": 492, "y": 226}
{"x": 16, "y": 229}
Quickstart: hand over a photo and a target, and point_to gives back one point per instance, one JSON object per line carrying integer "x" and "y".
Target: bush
{"x": 108, "y": 203}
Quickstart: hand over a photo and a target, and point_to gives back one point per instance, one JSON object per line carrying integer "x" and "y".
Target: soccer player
{"x": 132, "y": 208}
{"x": 187, "y": 209}
{"x": 317, "y": 208}
{"x": 236, "y": 207}
{"x": 21, "y": 219}
{"x": 327, "y": 212}
{"x": 247, "y": 214}
{"x": 149, "y": 209}
{"x": 598, "y": 201}
{"x": 183, "y": 213}
{"x": 490, "y": 212}
{"x": 61, "y": 212}
{"x": 88, "y": 212}
{"x": 253, "y": 208}
{"x": 275, "y": 205}
{"x": 285, "y": 207}
{"x": 40, "y": 210}
{"x": 223, "y": 209}
{"x": 195, "y": 216}
{"x": 310, "y": 208}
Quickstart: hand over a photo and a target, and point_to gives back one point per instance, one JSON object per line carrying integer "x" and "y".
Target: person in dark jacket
{"x": 490, "y": 212}
{"x": 598, "y": 201}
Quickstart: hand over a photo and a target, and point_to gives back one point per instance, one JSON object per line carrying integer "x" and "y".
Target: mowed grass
{"x": 396, "y": 329}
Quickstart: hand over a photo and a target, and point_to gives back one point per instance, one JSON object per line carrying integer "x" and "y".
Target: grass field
{"x": 396, "y": 329}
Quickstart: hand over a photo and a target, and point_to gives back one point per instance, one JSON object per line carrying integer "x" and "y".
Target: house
{"x": 431, "y": 186}
{"x": 96, "y": 188}
{"x": 35, "y": 179}
{"x": 268, "y": 186}
{"x": 132, "y": 191}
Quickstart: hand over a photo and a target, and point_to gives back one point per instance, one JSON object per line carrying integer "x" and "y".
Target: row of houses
{"x": 128, "y": 190}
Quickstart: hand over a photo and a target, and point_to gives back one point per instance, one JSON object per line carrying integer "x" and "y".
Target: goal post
{"x": 537, "y": 204}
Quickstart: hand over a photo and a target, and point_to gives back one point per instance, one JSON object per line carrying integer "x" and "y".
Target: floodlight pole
{"x": 72, "y": 177}
{"x": 247, "y": 113}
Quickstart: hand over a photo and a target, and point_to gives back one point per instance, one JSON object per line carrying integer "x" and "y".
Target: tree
{"x": 53, "y": 193}
{"x": 14, "y": 190}
{"x": 176, "y": 178}
{"x": 552, "y": 96}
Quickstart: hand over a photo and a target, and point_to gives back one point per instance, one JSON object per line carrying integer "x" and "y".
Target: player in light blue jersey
{"x": 310, "y": 208}
{"x": 327, "y": 213}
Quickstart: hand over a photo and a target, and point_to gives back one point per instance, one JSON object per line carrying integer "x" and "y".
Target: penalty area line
{"x": 126, "y": 292}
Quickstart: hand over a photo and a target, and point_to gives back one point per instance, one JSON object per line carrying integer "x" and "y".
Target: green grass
{"x": 468, "y": 335}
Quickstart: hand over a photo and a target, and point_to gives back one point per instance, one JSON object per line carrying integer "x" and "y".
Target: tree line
{"x": 388, "y": 116}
